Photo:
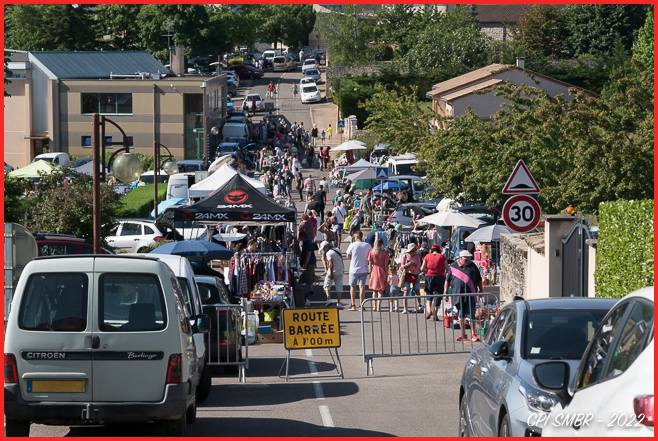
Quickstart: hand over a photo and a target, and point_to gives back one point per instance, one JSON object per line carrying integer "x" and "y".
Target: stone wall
{"x": 513, "y": 266}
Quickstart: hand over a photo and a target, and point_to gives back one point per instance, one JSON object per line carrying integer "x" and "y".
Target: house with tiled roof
{"x": 475, "y": 90}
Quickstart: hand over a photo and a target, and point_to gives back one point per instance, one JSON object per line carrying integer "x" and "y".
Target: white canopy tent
{"x": 361, "y": 164}
{"x": 352, "y": 144}
{"x": 218, "y": 179}
{"x": 451, "y": 219}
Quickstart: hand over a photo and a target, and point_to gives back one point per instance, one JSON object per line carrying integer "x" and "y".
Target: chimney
{"x": 178, "y": 60}
{"x": 520, "y": 62}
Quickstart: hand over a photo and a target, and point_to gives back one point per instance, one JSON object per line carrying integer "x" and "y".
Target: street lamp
{"x": 125, "y": 167}
{"x": 170, "y": 167}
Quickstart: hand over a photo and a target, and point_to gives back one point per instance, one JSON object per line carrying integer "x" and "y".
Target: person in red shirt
{"x": 434, "y": 266}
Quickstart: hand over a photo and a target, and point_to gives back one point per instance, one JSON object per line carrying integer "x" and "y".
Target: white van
{"x": 402, "y": 164}
{"x": 99, "y": 339}
{"x": 178, "y": 185}
{"x": 55, "y": 158}
{"x": 185, "y": 275}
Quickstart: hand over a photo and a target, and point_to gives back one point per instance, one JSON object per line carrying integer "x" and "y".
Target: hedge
{"x": 138, "y": 203}
{"x": 624, "y": 255}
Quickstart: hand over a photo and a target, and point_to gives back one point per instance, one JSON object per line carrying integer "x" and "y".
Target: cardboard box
{"x": 274, "y": 337}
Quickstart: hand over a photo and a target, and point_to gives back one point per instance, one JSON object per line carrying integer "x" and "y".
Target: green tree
{"x": 643, "y": 46}
{"x": 453, "y": 41}
{"x": 49, "y": 27}
{"x": 542, "y": 31}
{"x": 593, "y": 29}
{"x": 15, "y": 203}
{"x": 117, "y": 26}
{"x": 348, "y": 34}
{"x": 66, "y": 208}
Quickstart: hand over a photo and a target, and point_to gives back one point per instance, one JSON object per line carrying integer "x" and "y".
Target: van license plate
{"x": 56, "y": 386}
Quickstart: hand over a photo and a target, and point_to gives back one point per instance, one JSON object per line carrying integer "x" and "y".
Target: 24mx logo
{"x": 269, "y": 217}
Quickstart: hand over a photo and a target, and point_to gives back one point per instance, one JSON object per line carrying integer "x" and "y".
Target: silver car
{"x": 499, "y": 394}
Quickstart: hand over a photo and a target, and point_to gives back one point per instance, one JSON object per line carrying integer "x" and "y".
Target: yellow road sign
{"x": 308, "y": 328}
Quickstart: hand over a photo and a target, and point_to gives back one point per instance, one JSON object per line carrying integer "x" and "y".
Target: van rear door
{"x": 54, "y": 332}
{"x": 131, "y": 324}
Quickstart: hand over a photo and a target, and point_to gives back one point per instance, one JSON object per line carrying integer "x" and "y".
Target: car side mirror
{"x": 499, "y": 350}
{"x": 554, "y": 376}
{"x": 201, "y": 323}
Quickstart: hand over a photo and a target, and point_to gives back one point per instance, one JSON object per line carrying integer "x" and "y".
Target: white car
{"x": 612, "y": 391}
{"x": 306, "y": 80}
{"x": 248, "y": 102}
{"x": 313, "y": 74}
{"x": 133, "y": 236}
{"x": 310, "y": 93}
{"x": 55, "y": 158}
{"x": 279, "y": 64}
{"x": 309, "y": 63}
{"x": 231, "y": 75}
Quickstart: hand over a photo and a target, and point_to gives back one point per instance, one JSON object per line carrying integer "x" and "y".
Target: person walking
{"x": 309, "y": 188}
{"x": 358, "y": 252}
{"x": 270, "y": 90}
{"x": 333, "y": 265}
{"x": 294, "y": 90}
{"x": 323, "y": 135}
{"x": 314, "y": 134}
{"x": 300, "y": 185}
{"x": 378, "y": 260}
{"x": 411, "y": 267}
{"x": 464, "y": 277}
{"x": 339, "y": 212}
{"x": 330, "y": 132}
{"x": 327, "y": 229}
{"x": 434, "y": 267}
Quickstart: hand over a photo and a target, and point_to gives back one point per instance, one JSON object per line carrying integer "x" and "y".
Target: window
{"x": 130, "y": 229}
{"x": 107, "y": 103}
{"x": 55, "y": 302}
{"x": 209, "y": 294}
{"x": 560, "y": 333}
{"x": 633, "y": 338}
{"x": 59, "y": 249}
{"x": 187, "y": 297}
{"x": 310, "y": 89}
{"x": 131, "y": 303}
{"x": 595, "y": 360}
{"x": 85, "y": 141}
{"x": 508, "y": 331}
{"x": 497, "y": 325}
{"x": 148, "y": 230}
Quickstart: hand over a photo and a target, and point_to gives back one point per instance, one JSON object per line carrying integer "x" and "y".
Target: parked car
{"x": 133, "y": 362}
{"x": 190, "y": 165}
{"x": 245, "y": 71}
{"x": 224, "y": 323}
{"x": 235, "y": 132}
{"x": 498, "y": 394}
{"x": 310, "y": 93}
{"x": 306, "y": 80}
{"x": 148, "y": 177}
{"x": 404, "y": 213}
{"x": 313, "y": 74}
{"x": 613, "y": 384}
{"x": 309, "y": 63}
{"x": 183, "y": 271}
{"x": 231, "y": 75}
{"x": 248, "y": 102}
{"x": 379, "y": 152}
{"x": 55, "y": 158}
{"x": 133, "y": 235}
{"x": 267, "y": 57}
{"x": 403, "y": 164}
{"x": 280, "y": 64}
{"x": 52, "y": 244}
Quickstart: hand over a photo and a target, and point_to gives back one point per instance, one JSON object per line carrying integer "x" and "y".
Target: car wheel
{"x": 142, "y": 250}
{"x": 17, "y": 428}
{"x": 504, "y": 427}
{"x": 191, "y": 413}
{"x": 176, "y": 427}
{"x": 205, "y": 383}
{"x": 463, "y": 419}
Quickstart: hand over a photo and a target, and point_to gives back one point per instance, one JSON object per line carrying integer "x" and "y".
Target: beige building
{"x": 53, "y": 96}
{"x": 475, "y": 90}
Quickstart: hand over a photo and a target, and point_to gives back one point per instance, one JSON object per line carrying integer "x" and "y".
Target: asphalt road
{"x": 407, "y": 396}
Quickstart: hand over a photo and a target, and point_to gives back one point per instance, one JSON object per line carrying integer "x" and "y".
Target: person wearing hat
{"x": 464, "y": 277}
{"x": 434, "y": 267}
{"x": 333, "y": 265}
{"x": 411, "y": 266}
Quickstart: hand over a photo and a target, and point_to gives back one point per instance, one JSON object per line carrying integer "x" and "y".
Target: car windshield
{"x": 209, "y": 294}
{"x": 252, "y": 97}
{"x": 310, "y": 89}
{"x": 560, "y": 333}
{"x": 279, "y": 60}
{"x": 404, "y": 169}
{"x": 312, "y": 72}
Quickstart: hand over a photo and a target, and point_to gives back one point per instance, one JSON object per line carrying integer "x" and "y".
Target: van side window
{"x": 182, "y": 313}
{"x": 130, "y": 303}
{"x": 55, "y": 302}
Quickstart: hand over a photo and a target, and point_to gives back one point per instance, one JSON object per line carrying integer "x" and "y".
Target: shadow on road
{"x": 269, "y": 367}
{"x": 245, "y": 395}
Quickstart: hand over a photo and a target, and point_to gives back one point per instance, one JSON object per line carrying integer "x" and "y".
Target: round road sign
{"x": 521, "y": 213}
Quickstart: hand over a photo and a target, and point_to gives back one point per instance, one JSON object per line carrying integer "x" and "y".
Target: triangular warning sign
{"x": 382, "y": 173}
{"x": 521, "y": 181}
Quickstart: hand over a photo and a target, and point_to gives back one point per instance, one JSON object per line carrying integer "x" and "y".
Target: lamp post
{"x": 123, "y": 164}
{"x": 170, "y": 167}
{"x": 205, "y": 126}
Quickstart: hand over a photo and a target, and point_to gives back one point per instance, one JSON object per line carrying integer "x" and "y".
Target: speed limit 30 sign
{"x": 521, "y": 213}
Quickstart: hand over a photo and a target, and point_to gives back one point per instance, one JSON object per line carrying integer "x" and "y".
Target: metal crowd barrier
{"x": 225, "y": 345}
{"x": 386, "y": 333}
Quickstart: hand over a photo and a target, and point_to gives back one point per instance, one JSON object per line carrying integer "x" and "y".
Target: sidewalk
{"x": 326, "y": 113}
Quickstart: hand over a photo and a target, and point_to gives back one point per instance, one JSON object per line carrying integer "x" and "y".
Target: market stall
{"x": 264, "y": 278}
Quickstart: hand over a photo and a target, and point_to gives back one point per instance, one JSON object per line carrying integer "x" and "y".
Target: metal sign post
{"x": 381, "y": 173}
{"x": 311, "y": 328}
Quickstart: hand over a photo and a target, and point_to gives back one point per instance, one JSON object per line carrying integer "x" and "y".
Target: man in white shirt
{"x": 333, "y": 265}
{"x": 339, "y": 213}
{"x": 358, "y": 252}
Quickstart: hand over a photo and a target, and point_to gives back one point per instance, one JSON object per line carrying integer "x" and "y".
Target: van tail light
{"x": 11, "y": 371}
{"x": 175, "y": 369}
{"x": 643, "y": 406}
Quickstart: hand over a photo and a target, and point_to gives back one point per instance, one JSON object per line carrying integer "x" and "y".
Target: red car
{"x": 245, "y": 71}
{"x": 51, "y": 244}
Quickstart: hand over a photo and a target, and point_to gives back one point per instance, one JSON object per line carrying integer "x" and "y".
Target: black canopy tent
{"x": 237, "y": 202}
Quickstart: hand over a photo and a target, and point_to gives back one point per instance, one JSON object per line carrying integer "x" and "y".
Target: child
{"x": 393, "y": 284}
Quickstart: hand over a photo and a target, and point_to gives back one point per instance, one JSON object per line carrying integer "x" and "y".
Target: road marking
{"x": 327, "y": 421}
